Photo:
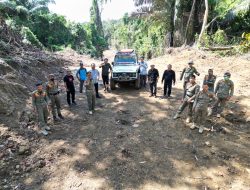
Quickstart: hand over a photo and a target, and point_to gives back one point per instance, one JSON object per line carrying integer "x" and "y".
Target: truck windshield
{"x": 125, "y": 59}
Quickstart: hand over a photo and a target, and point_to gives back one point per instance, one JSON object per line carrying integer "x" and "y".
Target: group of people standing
{"x": 199, "y": 102}
{"x": 47, "y": 100}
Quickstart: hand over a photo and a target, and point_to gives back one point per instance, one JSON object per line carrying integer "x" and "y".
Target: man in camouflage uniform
{"x": 191, "y": 90}
{"x": 224, "y": 90}
{"x": 187, "y": 72}
{"x": 210, "y": 80}
{"x": 200, "y": 107}
{"x": 90, "y": 93}
{"x": 53, "y": 94}
{"x": 40, "y": 104}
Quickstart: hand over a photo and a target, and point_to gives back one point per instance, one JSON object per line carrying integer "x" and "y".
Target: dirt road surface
{"x": 132, "y": 142}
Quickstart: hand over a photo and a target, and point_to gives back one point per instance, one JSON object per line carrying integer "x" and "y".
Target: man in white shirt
{"x": 95, "y": 77}
{"x": 143, "y": 72}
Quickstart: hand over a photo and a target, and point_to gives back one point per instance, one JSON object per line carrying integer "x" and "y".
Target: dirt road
{"x": 131, "y": 142}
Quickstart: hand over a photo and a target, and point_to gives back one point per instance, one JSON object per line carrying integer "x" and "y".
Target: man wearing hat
{"x": 53, "y": 94}
{"x": 95, "y": 77}
{"x": 153, "y": 76}
{"x": 187, "y": 72}
{"x": 143, "y": 72}
{"x": 106, "y": 69}
{"x": 81, "y": 75}
{"x": 40, "y": 104}
{"x": 224, "y": 90}
{"x": 70, "y": 87}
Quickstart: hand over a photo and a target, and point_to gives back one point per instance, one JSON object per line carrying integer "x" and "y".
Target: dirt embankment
{"x": 131, "y": 142}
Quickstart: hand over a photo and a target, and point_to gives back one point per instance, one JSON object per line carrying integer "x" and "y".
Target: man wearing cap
{"x": 210, "y": 80}
{"x": 224, "y": 90}
{"x": 40, "y": 102}
{"x": 95, "y": 77}
{"x": 168, "y": 78}
{"x": 187, "y": 72}
{"x": 192, "y": 88}
{"x": 70, "y": 87}
{"x": 143, "y": 72}
{"x": 90, "y": 93}
{"x": 53, "y": 94}
{"x": 201, "y": 103}
{"x": 106, "y": 69}
{"x": 81, "y": 75}
{"x": 153, "y": 76}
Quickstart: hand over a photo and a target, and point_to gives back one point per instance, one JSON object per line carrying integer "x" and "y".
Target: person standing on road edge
{"x": 192, "y": 89}
{"x": 106, "y": 69}
{"x": 210, "y": 80}
{"x": 53, "y": 94}
{"x": 143, "y": 72}
{"x": 224, "y": 90}
{"x": 153, "y": 76}
{"x": 70, "y": 87}
{"x": 40, "y": 102}
{"x": 187, "y": 72}
{"x": 95, "y": 77}
{"x": 200, "y": 107}
{"x": 168, "y": 78}
{"x": 90, "y": 93}
{"x": 81, "y": 75}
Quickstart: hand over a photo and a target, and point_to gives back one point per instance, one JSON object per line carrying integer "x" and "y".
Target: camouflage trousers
{"x": 184, "y": 104}
{"x": 55, "y": 105}
{"x": 91, "y": 97}
{"x": 219, "y": 105}
{"x": 42, "y": 113}
{"x": 200, "y": 114}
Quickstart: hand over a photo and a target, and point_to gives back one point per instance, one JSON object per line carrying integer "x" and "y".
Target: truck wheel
{"x": 112, "y": 84}
{"x": 137, "y": 83}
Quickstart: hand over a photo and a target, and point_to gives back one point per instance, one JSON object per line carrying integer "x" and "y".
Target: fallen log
{"x": 218, "y": 48}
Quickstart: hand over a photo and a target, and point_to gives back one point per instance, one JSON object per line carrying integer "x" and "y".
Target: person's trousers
{"x": 55, "y": 105}
{"x": 81, "y": 85}
{"x": 42, "y": 113}
{"x": 143, "y": 80}
{"x": 200, "y": 115}
{"x": 91, "y": 99}
{"x": 105, "y": 79}
{"x": 153, "y": 88}
{"x": 167, "y": 88}
{"x": 72, "y": 94}
{"x": 96, "y": 89}
{"x": 184, "y": 104}
{"x": 184, "y": 88}
{"x": 219, "y": 105}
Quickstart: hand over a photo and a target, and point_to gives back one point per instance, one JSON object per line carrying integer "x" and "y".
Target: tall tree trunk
{"x": 190, "y": 22}
{"x": 203, "y": 29}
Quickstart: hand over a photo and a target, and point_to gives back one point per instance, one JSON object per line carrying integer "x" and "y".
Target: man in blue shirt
{"x": 143, "y": 72}
{"x": 81, "y": 75}
{"x": 95, "y": 77}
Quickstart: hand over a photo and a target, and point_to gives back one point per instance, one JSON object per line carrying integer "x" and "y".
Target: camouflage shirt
{"x": 202, "y": 99}
{"x": 39, "y": 98}
{"x": 187, "y": 72}
{"x": 52, "y": 88}
{"x": 191, "y": 90}
{"x": 89, "y": 85}
{"x": 210, "y": 80}
{"x": 224, "y": 89}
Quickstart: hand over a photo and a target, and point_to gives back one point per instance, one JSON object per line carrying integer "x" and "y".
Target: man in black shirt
{"x": 153, "y": 76}
{"x": 70, "y": 87}
{"x": 106, "y": 68}
{"x": 169, "y": 79}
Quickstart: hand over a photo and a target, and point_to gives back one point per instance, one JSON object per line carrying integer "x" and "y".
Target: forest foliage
{"x": 150, "y": 29}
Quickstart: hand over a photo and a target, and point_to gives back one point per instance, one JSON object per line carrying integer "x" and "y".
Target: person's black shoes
{"x": 60, "y": 116}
